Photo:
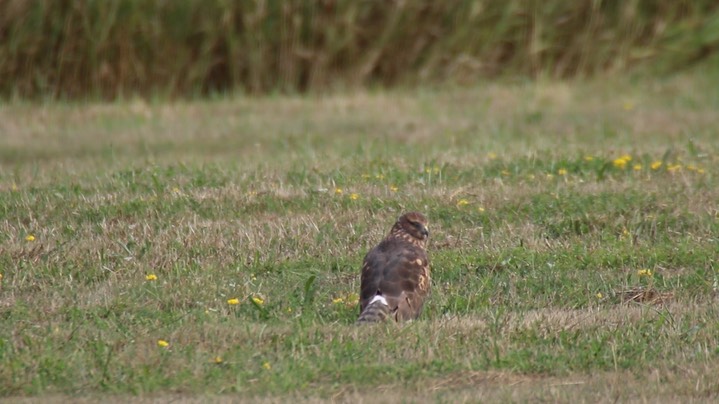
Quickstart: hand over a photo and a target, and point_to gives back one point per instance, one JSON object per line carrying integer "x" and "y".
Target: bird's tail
{"x": 376, "y": 311}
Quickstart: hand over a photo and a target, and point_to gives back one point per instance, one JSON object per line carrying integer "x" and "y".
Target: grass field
{"x": 211, "y": 249}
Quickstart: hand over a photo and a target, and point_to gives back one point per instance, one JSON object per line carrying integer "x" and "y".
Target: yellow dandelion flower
{"x": 700, "y": 171}
{"x": 289, "y": 310}
{"x": 393, "y": 188}
{"x": 480, "y": 209}
{"x": 218, "y": 359}
{"x": 175, "y": 190}
{"x": 491, "y": 155}
{"x": 691, "y": 167}
{"x": 337, "y": 300}
{"x": 621, "y": 162}
{"x": 562, "y": 171}
{"x": 674, "y": 167}
{"x": 30, "y": 237}
{"x": 625, "y": 233}
{"x": 588, "y": 158}
{"x": 435, "y": 170}
{"x": 338, "y": 191}
{"x": 233, "y": 301}
{"x": 162, "y": 343}
{"x": 13, "y": 186}
{"x": 352, "y": 299}
{"x": 150, "y": 277}
{"x": 644, "y": 272}
{"x": 462, "y": 202}
{"x": 655, "y": 165}
{"x": 354, "y": 196}
{"x": 260, "y": 301}
{"x": 637, "y": 167}
{"x": 379, "y": 176}
{"x": 266, "y": 366}
{"x": 599, "y": 295}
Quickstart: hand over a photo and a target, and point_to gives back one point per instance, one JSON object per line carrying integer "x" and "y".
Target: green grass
{"x": 538, "y": 234}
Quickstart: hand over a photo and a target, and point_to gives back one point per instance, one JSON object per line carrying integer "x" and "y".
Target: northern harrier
{"x": 395, "y": 273}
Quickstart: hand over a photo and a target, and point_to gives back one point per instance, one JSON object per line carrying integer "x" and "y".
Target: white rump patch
{"x": 380, "y": 299}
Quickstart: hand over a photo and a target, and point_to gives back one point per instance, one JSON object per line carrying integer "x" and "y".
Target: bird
{"x": 395, "y": 278}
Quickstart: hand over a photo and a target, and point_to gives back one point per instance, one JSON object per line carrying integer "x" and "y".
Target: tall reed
{"x": 111, "y": 48}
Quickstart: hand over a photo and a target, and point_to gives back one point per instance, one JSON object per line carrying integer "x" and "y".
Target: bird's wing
{"x": 399, "y": 272}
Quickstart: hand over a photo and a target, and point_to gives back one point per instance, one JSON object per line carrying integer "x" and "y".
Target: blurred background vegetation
{"x": 69, "y": 49}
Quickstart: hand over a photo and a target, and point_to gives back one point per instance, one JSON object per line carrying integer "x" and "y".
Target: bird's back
{"x": 398, "y": 271}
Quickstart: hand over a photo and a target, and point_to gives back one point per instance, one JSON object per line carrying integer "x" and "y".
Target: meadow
{"x": 210, "y": 249}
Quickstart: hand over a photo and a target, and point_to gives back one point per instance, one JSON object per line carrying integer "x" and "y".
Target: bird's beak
{"x": 425, "y": 232}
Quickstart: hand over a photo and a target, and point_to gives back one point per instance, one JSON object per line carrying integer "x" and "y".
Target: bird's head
{"x": 414, "y": 224}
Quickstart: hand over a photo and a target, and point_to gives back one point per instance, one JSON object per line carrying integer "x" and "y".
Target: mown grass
{"x": 540, "y": 231}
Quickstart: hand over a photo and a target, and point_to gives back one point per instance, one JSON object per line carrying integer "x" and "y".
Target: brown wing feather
{"x": 399, "y": 271}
